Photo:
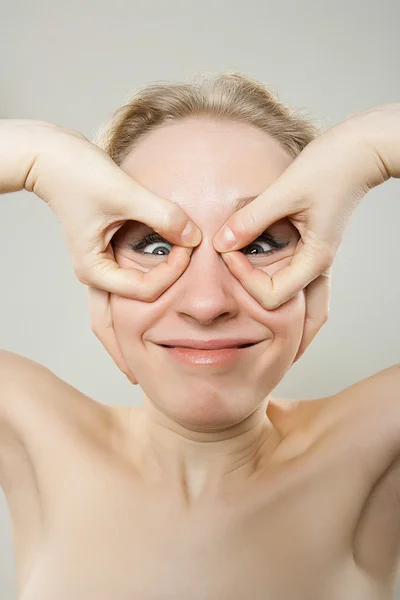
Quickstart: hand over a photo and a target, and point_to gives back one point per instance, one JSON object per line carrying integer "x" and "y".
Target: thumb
{"x": 101, "y": 271}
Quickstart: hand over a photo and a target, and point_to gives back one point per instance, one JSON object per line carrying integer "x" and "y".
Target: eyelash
{"x": 154, "y": 237}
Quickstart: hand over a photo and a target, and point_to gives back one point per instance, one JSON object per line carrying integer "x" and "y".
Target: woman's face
{"x": 205, "y": 166}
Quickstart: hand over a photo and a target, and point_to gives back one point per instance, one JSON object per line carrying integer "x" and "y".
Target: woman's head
{"x": 206, "y": 146}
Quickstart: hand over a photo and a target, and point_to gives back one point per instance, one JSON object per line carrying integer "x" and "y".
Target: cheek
{"x": 129, "y": 318}
{"x": 124, "y": 258}
{"x": 132, "y": 318}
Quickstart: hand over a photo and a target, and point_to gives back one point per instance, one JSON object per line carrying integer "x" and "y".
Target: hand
{"x": 318, "y": 193}
{"x": 93, "y": 198}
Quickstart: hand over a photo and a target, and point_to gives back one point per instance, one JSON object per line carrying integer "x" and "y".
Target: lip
{"x": 209, "y": 357}
{"x": 216, "y": 344}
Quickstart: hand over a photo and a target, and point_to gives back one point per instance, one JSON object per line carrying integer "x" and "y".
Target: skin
{"x": 185, "y": 408}
{"x": 212, "y": 488}
{"x": 318, "y": 192}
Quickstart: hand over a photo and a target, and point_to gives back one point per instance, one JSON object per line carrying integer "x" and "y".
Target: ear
{"x": 103, "y": 327}
{"x": 317, "y": 295}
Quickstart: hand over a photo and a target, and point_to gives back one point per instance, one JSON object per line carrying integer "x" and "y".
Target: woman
{"x": 212, "y": 489}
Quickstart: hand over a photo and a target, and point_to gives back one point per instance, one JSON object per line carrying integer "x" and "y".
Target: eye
{"x": 254, "y": 249}
{"x": 154, "y": 240}
{"x": 267, "y": 239}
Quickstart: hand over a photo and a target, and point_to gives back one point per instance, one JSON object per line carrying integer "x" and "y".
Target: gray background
{"x": 73, "y": 64}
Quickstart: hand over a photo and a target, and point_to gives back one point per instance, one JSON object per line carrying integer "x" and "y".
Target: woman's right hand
{"x": 92, "y": 198}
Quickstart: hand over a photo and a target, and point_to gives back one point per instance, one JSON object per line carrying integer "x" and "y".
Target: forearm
{"x": 389, "y": 149}
{"x": 22, "y": 141}
{"x": 18, "y": 152}
{"x": 384, "y": 134}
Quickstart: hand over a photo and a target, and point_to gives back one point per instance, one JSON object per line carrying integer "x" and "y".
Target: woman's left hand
{"x": 318, "y": 193}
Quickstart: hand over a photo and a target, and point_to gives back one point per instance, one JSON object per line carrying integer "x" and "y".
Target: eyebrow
{"x": 241, "y": 202}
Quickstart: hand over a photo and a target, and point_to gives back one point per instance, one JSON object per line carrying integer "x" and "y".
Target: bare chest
{"x": 105, "y": 535}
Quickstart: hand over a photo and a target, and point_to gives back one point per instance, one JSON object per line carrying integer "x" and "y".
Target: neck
{"x": 198, "y": 464}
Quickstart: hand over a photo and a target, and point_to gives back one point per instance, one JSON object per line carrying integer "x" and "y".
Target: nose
{"x": 205, "y": 291}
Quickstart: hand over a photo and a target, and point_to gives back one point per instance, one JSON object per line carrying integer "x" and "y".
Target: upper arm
{"x": 376, "y": 545}
{"x": 17, "y": 374}
{"x": 20, "y": 379}
{"x": 11, "y": 366}
{"x": 377, "y": 536}
{"x": 372, "y": 406}
{"x": 38, "y": 410}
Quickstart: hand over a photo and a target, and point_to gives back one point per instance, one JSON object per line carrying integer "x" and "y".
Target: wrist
{"x": 384, "y": 133}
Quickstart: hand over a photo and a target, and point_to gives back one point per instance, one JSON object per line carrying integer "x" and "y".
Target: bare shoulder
{"x": 358, "y": 425}
{"x": 20, "y": 378}
{"x": 36, "y": 405}
{"x": 358, "y": 429}
{"x": 376, "y": 401}
{"x": 44, "y": 423}
{"x": 370, "y": 406}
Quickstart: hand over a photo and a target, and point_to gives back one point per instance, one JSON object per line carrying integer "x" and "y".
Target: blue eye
{"x": 268, "y": 239}
{"x": 156, "y": 240}
{"x": 151, "y": 240}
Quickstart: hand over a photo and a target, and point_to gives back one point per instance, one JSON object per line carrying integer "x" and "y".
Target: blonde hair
{"x": 223, "y": 96}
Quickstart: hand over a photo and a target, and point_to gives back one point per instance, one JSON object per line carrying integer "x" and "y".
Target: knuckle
{"x": 95, "y": 328}
{"x": 319, "y": 252}
{"x": 327, "y": 254}
{"x": 146, "y": 294}
{"x": 149, "y": 296}
{"x": 323, "y": 263}
{"x": 327, "y": 272}
{"x": 329, "y": 258}
{"x": 245, "y": 221}
{"x": 318, "y": 319}
{"x": 81, "y": 273}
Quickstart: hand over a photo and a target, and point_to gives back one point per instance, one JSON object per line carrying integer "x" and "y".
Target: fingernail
{"x": 190, "y": 234}
{"x": 227, "y": 240}
{"x": 188, "y": 229}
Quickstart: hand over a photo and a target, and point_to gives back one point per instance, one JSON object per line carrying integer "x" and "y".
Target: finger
{"x": 317, "y": 295}
{"x": 256, "y": 282}
{"x": 306, "y": 265}
{"x": 277, "y": 202}
{"x": 103, "y": 328}
{"x": 104, "y": 273}
{"x": 165, "y": 217}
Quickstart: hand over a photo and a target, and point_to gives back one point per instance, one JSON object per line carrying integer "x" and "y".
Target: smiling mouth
{"x": 209, "y": 350}
{"x": 209, "y": 357}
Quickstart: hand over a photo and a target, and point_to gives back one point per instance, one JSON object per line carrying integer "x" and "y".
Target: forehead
{"x": 208, "y": 162}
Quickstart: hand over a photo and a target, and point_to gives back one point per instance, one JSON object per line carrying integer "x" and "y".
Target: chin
{"x": 205, "y": 407}
{"x": 217, "y": 399}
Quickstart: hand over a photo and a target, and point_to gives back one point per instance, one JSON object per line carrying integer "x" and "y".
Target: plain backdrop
{"x": 73, "y": 63}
